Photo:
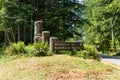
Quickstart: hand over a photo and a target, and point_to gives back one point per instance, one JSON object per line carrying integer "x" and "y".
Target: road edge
{"x": 111, "y": 64}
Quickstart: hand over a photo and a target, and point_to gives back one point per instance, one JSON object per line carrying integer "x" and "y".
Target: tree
{"x": 60, "y": 17}
{"x": 103, "y": 16}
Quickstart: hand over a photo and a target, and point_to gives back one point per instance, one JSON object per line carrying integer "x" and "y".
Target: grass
{"x": 57, "y": 67}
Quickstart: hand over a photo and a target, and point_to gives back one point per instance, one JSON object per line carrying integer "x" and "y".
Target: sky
{"x": 80, "y": 0}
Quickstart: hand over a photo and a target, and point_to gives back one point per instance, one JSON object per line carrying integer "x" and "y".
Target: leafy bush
{"x": 90, "y": 52}
{"x": 68, "y": 52}
{"x": 72, "y": 52}
{"x": 117, "y": 53}
{"x": 112, "y": 48}
{"x": 41, "y": 49}
{"x": 15, "y": 48}
{"x": 29, "y": 49}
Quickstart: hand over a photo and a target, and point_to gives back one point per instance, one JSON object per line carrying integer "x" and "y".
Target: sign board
{"x": 67, "y": 45}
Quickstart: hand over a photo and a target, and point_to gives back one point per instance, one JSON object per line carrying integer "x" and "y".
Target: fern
{"x": 41, "y": 49}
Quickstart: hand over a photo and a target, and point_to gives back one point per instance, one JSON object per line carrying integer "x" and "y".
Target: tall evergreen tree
{"x": 60, "y": 17}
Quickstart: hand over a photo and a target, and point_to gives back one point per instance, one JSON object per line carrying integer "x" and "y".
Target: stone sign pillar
{"x": 52, "y": 39}
{"x": 38, "y": 38}
{"x": 45, "y": 36}
{"x": 38, "y": 28}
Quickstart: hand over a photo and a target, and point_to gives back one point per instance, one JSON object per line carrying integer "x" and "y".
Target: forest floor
{"x": 57, "y": 67}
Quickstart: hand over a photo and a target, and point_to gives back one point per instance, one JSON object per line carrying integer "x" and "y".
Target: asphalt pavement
{"x": 111, "y": 59}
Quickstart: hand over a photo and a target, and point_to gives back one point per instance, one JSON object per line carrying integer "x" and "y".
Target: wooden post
{"x": 52, "y": 39}
{"x": 45, "y": 36}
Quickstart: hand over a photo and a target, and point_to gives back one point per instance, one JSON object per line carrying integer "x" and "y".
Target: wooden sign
{"x": 67, "y": 45}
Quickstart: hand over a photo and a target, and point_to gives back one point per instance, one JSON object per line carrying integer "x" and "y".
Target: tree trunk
{"x": 13, "y": 35}
{"x": 5, "y": 39}
{"x": 24, "y": 34}
{"x": 112, "y": 33}
{"x": 18, "y": 33}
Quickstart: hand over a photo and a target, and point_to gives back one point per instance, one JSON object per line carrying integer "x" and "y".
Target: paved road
{"x": 110, "y": 59}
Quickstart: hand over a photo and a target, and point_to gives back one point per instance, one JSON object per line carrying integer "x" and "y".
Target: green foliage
{"x": 117, "y": 52}
{"x": 29, "y": 49}
{"x": 20, "y": 49}
{"x": 90, "y": 52}
{"x": 1, "y": 51}
{"x": 103, "y": 16}
{"x": 72, "y": 53}
{"x": 41, "y": 49}
{"x": 112, "y": 49}
{"x": 15, "y": 49}
{"x": 90, "y": 48}
{"x": 69, "y": 52}
{"x": 61, "y": 18}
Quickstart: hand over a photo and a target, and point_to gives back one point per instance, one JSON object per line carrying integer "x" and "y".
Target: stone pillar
{"x": 38, "y": 27}
{"x": 52, "y": 39}
{"x": 38, "y": 38}
{"x": 45, "y": 36}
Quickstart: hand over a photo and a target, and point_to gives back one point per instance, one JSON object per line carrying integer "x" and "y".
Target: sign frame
{"x": 67, "y": 45}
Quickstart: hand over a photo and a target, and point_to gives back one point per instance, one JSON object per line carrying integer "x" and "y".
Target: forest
{"x": 81, "y": 40}
{"x": 94, "y": 22}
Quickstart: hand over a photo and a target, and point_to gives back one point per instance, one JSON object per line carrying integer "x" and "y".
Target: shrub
{"x": 72, "y": 52}
{"x": 15, "y": 48}
{"x": 29, "y": 49}
{"x": 112, "y": 47}
{"x": 41, "y": 49}
{"x": 68, "y": 52}
{"x": 117, "y": 53}
{"x": 90, "y": 52}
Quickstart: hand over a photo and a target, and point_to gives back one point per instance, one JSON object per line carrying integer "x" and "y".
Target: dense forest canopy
{"x": 93, "y": 21}
{"x": 61, "y": 17}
